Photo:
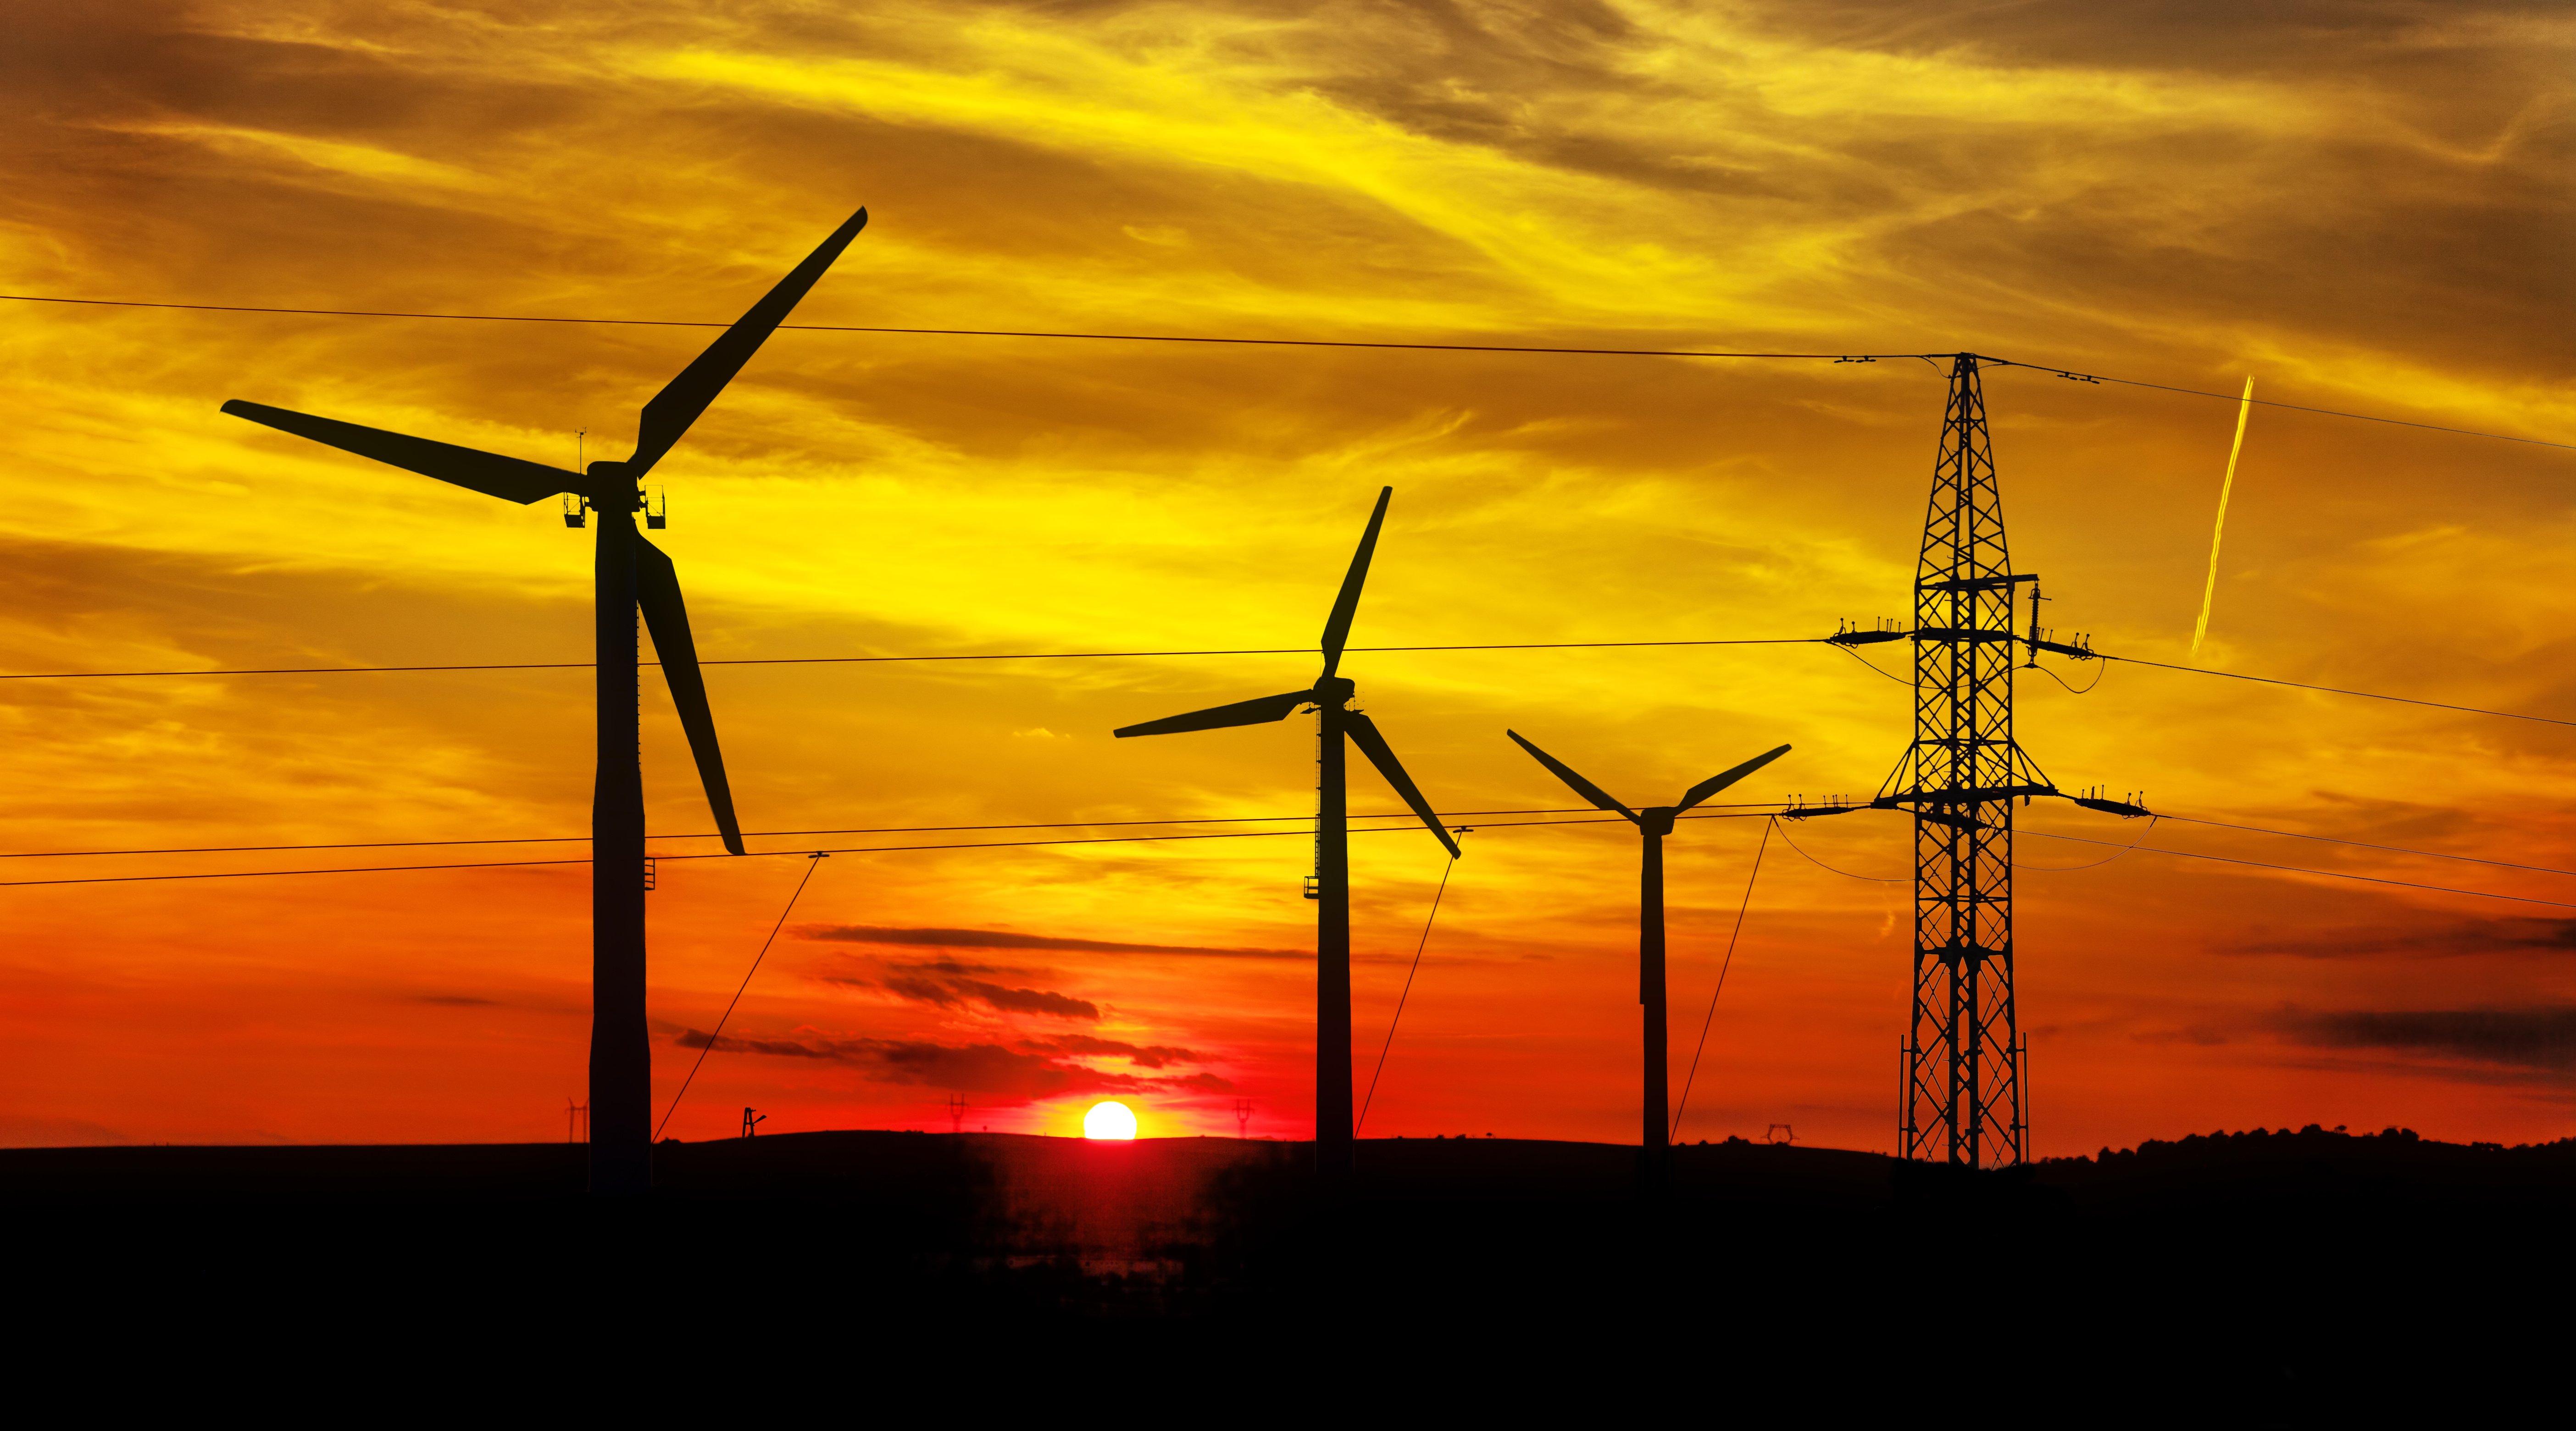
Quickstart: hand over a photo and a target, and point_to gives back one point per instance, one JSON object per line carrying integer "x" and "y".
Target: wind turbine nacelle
{"x": 612, "y": 487}
{"x": 1335, "y": 690}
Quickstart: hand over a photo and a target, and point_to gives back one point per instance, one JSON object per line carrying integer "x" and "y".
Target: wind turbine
{"x": 631, "y": 573}
{"x": 1330, "y": 696}
{"x": 1654, "y": 823}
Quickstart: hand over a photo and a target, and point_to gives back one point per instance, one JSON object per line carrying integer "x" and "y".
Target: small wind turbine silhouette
{"x": 630, "y": 573}
{"x": 1654, "y": 823}
{"x": 1330, "y": 696}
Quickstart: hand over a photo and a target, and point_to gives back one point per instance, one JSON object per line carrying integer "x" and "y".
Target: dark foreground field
{"x": 2256, "y": 1278}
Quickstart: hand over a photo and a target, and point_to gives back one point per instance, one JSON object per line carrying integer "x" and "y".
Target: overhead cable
{"x": 950, "y": 332}
{"x": 2295, "y": 869}
{"x": 1227, "y": 340}
{"x": 2269, "y": 402}
{"x": 865, "y": 660}
{"x": 1254, "y": 651}
{"x": 846, "y": 850}
{"x": 856, "y": 830}
{"x": 2336, "y": 690}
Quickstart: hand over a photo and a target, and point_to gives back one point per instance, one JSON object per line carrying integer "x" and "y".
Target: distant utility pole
{"x": 751, "y": 1121}
{"x": 1243, "y": 1117}
{"x": 575, "y": 1114}
{"x": 956, "y": 1112}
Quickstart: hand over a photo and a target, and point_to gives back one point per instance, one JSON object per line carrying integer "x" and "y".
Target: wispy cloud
{"x": 1009, "y": 939}
{"x": 952, "y": 992}
{"x": 982, "y": 1068}
{"x": 1142, "y": 1055}
{"x": 2540, "y": 1039}
{"x": 2480, "y": 936}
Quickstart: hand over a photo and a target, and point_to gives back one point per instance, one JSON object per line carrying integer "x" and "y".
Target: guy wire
{"x": 813, "y": 863}
{"x": 1418, "y": 946}
{"x": 1704, "y": 1024}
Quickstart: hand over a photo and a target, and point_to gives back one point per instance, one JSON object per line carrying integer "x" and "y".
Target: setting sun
{"x": 1109, "y": 1120}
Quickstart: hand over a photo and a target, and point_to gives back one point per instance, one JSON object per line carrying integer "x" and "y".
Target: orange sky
{"x": 2363, "y": 206}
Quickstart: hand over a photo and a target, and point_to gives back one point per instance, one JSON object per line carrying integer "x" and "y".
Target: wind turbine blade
{"x": 1253, "y": 712}
{"x": 1577, "y": 783}
{"x": 1373, "y": 745}
{"x": 657, "y": 590}
{"x": 667, "y": 417}
{"x": 1718, "y": 782}
{"x": 1337, "y": 627}
{"x": 507, "y": 478}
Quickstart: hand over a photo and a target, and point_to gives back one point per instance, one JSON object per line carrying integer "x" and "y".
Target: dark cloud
{"x": 932, "y": 984}
{"x": 1028, "y": 1001}
{"x": 1142, "y": 1055}
{"x": 2484, "y": 936}
{"x": 1006, "y": 939}
{"x": 987, "y": 1069}
{"x": 960, "y": 967}
{"x": 2541, "y": 1039}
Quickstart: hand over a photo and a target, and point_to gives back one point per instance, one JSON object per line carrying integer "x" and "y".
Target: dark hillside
{"x": 2271, "y": 1270}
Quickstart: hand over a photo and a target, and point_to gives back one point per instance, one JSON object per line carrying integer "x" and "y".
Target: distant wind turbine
{"x": 1330, "y": 696}
{"x": 1653, "y": 822}
{"x": 631, "y": 573}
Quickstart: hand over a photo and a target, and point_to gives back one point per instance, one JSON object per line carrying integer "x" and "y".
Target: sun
{"x": 1109, "y": 1120}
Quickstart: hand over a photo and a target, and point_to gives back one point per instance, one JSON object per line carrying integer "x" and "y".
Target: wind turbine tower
{"x": 1654, "y": 823}
{"x": 629, "y": 573}
{"x": 1330, "y": 698}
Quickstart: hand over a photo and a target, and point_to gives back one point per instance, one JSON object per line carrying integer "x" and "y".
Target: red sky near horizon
{"x": 2362, "y": 206}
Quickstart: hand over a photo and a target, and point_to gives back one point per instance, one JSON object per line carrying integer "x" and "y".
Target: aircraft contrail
{"x": 2244, "y": 407}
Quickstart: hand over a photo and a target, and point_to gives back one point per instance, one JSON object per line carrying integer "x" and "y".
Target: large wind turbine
{"x": 1654, "y": 823}
{"x": 632, "y": 573}
{"x": 1330, "y": 696}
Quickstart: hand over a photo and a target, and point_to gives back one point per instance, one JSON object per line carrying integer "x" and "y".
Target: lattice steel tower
{"x": 1963, "y": 1057}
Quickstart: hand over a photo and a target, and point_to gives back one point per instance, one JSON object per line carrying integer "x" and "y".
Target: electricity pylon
{"x": 1962, "y": 1099}
{"x": 1963, "y": 1090}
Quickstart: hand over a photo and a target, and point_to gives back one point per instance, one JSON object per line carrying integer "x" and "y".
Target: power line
{"x": 1254, "y": 342}
{"x": 2295, "y": 869}
{"x": 856, "y": 830}
{"x": 2224, "y": 825}
{"x": 1399, "y": 815}
{"x": 1257, "y": 651}
{"x": 1385, "y": 830}
{"x": 2265, "y": 402}
{"x": 847, "y": 850}
{"x": 2336, "y": 690}
{"x": 2366, "y": 845}
{"x": 2097, "y": 864}
{"x": 861, "y": 660}
{"x": 954, "y": 332}
{"x": 1829, "y": 869}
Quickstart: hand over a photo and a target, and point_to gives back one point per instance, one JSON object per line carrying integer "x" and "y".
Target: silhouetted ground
{"x": 2254, "y": 1278}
